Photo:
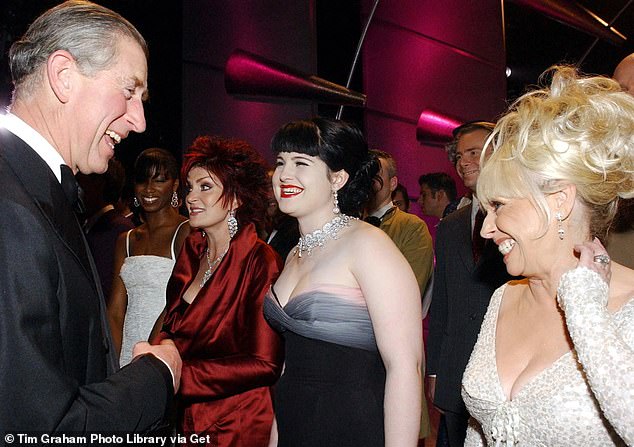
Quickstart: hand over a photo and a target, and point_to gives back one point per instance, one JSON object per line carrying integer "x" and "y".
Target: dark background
{"x": 533, "y": 43}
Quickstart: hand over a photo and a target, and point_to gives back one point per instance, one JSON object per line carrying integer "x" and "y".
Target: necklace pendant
{"x": 211, "y": 265}
{"x": 206, "y": 277}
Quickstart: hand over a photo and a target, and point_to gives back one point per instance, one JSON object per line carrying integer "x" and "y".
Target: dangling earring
{"x": 174, "y": 201}
{"x": 232, "y": 222}
{"x": 560, "y": 229}
{"x": 135, "y": 202}
{"x": 335, "y": 197}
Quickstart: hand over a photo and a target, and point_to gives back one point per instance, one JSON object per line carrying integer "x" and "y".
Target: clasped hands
{"x": 166, "y": 352}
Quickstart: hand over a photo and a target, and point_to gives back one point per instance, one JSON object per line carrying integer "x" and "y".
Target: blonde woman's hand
{"x": 594, "y": 256}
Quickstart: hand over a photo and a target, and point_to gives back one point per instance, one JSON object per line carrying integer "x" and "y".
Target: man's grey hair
{"x": 89, "y": 32}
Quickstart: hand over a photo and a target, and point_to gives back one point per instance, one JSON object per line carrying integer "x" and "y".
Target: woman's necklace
{"x": 212, "y": 266}
{"x": 318, "y": 238}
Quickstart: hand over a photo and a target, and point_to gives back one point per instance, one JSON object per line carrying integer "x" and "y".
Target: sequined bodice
{"x": 586, "y": 397}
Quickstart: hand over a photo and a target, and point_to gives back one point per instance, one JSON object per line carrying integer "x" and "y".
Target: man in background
{"x": 409, "y": 232}
{"x": 437, "y": 194}
{"x": 400, "y": 198}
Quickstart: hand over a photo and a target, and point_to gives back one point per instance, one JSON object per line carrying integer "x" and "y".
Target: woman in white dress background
{"x": 554, "y": 362}
{"x": 145, "y": 256}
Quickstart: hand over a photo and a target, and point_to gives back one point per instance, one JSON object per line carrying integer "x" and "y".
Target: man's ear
{"x": 393, "y": 183}
{"x": 338, "y": 179}
{"x": 60, "y": 68}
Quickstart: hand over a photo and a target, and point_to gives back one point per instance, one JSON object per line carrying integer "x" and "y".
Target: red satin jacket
{"x": 231, "y": 356}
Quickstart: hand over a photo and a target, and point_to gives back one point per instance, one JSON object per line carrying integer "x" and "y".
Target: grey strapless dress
{"x": 332, "y": 388}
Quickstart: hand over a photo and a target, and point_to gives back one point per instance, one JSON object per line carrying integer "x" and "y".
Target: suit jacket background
{"x": 461, "y": 295}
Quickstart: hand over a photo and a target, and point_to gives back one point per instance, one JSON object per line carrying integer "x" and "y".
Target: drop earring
{"x": 232, "y": 223}
{"x": 335, "y": 197}
{"x": 560, "y": 229}
{"x": 135, "y": 202}
{"x": 174, "y": 201}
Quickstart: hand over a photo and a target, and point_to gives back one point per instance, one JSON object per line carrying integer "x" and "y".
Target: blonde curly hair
{"x": 580, "y": 131}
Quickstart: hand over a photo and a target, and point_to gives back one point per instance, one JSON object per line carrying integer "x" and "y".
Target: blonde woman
{"x": 554, "y": 361}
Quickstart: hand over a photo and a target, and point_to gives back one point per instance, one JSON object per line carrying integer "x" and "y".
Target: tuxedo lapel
{"x": 462, "y": 239}
{"x": 42, "y": 185}
{"x": 47, "y": 193}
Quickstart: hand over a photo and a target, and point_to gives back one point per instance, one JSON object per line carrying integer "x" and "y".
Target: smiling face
{"x": 204, "y": 201}
{"x": 155, "y": 193}
{"x": 468, "y": 150}
{"x": 516, "y": 227}
{"x": 106, "y": 107}
{"x": 301, "y": 184}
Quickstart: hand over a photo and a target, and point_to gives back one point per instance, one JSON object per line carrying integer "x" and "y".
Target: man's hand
{"x": 166, "y": 352}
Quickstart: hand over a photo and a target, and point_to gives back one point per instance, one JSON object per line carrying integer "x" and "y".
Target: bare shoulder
{"x": 370, "y": 247}
{"x": 182, "y": 232}
{"x": 364, "y": 237}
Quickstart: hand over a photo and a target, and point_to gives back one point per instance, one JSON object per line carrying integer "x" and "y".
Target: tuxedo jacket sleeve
{"x": 54, "y": 348}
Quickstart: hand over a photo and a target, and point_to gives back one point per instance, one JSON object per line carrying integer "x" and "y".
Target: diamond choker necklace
{"x": 318, "y": 238}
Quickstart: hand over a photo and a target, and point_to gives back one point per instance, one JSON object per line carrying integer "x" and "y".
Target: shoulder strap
{"x": 174, "y": 237}
{"x": 127, "y": 242}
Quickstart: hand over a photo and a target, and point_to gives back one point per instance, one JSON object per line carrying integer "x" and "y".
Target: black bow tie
{"x": 72, "y": 190}
{"x": 373, "y": 220}
{"x": 376, "y": 221}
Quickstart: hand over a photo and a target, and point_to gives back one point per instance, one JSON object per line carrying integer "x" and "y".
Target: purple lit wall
{"x": 447, "y": 57}
{"x": 281, "y": 30}
{"x": 443, "y": 57}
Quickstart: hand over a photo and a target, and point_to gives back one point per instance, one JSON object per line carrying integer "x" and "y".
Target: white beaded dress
{"x": 585, "y": 398}
{"x": 145, "y": 278}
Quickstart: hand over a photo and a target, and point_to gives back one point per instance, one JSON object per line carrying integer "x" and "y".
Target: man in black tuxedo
{"x": 79, "y": 74}
{"x": 468, "y": 270}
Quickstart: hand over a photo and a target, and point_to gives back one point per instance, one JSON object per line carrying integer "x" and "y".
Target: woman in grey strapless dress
{"x": 347, "y": 302}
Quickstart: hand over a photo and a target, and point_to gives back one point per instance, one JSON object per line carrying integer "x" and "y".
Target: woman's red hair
{"x": 240, "y": 169}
